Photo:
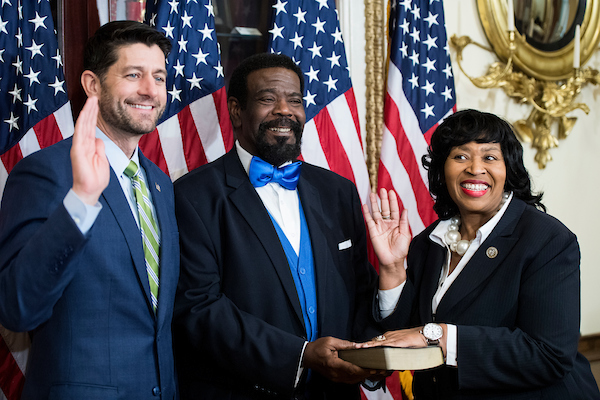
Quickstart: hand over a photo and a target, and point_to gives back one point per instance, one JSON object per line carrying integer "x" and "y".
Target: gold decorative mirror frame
{"x": 546, "y": 80}
{"x": 543, "y": 65}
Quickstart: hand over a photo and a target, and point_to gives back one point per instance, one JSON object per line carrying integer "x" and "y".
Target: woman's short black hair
{"x": 475, "y": 126}
{"x": 238, "y": 83}
{"x": 101, "y": 50}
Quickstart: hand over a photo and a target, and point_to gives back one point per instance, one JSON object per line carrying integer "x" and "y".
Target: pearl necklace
{"x": 453, "y": 238}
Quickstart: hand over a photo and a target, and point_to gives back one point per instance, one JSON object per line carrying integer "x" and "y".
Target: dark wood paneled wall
{"x": 79, "y": 21}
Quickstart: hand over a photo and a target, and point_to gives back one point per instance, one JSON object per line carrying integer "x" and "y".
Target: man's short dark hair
{"x": 101, "y": 50}
{"x": 238, "y": 84}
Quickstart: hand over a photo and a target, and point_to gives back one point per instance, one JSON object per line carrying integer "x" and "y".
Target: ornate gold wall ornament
{"x": 543, "y": 78}
{"x": 375, "y": 82}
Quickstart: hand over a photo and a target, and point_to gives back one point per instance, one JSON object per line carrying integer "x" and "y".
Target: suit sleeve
{"x": 541, "y": 346}
{"x": 401, "y": 317}
{"x": 38, "y": 239}
{"x": 223, "y": 337}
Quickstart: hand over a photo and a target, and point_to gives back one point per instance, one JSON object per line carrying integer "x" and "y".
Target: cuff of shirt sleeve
{"x": 300, "y": 368}
{"x": 83, "y": 214}
{"x": 388, "y": 299}
{"x": 451, "y": 345}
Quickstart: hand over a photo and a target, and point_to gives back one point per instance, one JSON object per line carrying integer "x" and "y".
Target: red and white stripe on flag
{"x": 195, "y": 128}
{"x": 420, "y": 94}
{"x": 53, "y": 128}
{"x": 402, "y": 148}
{"x": 14, "y": 348}
{"x": 198, "y": 134}
{"x": 332, "y": 140}
{"x": 308, "y": 31}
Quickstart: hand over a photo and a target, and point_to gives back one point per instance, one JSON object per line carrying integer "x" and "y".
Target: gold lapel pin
{"x": 491, "y": 252}
{"x": 157, "y": 187}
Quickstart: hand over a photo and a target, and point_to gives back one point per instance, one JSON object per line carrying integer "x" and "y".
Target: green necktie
{"x": 150, "y": 238}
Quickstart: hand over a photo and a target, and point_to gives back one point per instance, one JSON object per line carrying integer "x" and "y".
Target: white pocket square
{"x": 346, "y": 244}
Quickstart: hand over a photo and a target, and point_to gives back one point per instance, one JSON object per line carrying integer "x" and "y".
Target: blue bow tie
{"x": 261, "y": 173}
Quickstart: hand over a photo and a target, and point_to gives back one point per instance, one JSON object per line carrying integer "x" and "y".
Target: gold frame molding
{"x": 543, "y": 65}
{"x": 544, "y": 80}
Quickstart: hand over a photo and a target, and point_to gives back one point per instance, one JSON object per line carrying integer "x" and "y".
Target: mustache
{"x": 281, "y": 122}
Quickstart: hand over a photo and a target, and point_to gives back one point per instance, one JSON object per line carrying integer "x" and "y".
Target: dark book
{"x": 394, "y": 358}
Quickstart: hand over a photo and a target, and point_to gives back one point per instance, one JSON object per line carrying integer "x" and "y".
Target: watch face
{"x": 433, "y": 331}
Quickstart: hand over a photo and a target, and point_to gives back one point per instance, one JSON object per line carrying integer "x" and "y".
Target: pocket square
{"x": 346, "y": 244}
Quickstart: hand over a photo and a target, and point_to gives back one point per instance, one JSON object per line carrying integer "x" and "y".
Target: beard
{"x": 279, "y": 152}
{"x": 117, "y": 115}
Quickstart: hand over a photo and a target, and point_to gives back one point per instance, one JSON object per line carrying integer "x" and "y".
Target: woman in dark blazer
{"x": 495, "y": 281}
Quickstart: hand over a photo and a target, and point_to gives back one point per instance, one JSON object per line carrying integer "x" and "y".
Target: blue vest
{"x": 303, "y": 271}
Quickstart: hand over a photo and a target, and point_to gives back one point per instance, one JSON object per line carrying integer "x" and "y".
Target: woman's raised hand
{"x": 388, "y": 229}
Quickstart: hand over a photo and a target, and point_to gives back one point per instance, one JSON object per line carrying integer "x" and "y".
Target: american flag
{"x": 195, "y": 128}
{"x": 420, "y": 94}
{"x": 35, "y": 113}
{"x": 34, "y": 108}
{"x": 309, "y": 32}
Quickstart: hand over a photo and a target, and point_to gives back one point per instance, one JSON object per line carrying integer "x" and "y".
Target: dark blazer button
{"x": 156, "y": 391}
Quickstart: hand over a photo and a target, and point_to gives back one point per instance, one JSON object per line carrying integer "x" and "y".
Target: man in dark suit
{"x": 85, "y": 268}
{"x": 275, "y": 277}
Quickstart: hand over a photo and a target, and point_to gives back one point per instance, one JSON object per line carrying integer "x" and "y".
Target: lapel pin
{"x": 157, "y": 187}
{"x": 491, "y": 252}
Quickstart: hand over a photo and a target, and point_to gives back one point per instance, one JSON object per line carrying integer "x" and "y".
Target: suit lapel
{"x": 119, "y": 206}
{"x": 481, "y": 266}
{"x": 250, "y": 206}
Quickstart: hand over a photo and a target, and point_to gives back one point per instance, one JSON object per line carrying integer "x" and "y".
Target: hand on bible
{"x": 322, "y": 357}
{"x": 412, "y": 337}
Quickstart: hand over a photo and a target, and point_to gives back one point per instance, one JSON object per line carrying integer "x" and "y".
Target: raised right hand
{"x": 91, "y": 171}
{"x": 388, "y": 229}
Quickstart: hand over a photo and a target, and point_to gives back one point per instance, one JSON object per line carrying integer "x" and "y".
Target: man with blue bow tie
{"x": 274, "y": 274}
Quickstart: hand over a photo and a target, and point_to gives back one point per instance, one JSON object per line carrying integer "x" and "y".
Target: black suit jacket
{"x": 517, "y": 314}
{"x": 238, "y": 321}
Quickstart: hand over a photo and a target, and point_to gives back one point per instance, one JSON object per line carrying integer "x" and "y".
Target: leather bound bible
{"x": 394, "y": 358}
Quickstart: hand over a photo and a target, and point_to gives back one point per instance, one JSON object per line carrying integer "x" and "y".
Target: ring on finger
{"x": 379, "y": 338}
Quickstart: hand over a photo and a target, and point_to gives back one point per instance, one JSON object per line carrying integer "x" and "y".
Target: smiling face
{"x": 475, "y": 175}
{"x": 132, "y": 94}
{"x": 271, "y": 125}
